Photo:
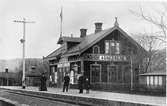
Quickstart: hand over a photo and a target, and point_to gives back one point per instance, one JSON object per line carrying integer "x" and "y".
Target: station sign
{"x": 66, "y": 64}
{"x": 104, "y": 57}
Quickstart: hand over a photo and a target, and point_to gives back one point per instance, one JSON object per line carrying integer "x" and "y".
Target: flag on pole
{"x": 61, "y": 20}
{"x": 61, "y": 14}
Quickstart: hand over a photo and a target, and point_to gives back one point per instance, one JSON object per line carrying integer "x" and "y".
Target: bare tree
{"x": 159, "y": 20}
{"x": 150, "y": 44}
{"x": 151, "y": 41}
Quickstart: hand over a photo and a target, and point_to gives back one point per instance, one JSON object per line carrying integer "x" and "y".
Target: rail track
{"x": 40, "y": 96}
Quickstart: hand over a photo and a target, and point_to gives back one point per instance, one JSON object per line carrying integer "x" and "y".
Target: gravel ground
{"x": 32, "y": 101}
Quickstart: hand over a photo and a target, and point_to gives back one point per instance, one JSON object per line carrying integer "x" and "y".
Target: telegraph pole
{"x": 24, "y": 22}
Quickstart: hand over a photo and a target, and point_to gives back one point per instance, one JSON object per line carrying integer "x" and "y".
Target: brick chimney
{"x": 98, "y": 27}
{"x": 83, "y": 32}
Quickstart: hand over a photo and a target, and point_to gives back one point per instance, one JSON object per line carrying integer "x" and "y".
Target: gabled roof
{"x": 59, "y": 51}
{"x": 55, "y": 53}
{"x": 69, "y": 39}
{"x": 91, "y": 39}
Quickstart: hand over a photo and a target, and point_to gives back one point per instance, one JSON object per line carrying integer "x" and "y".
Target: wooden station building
{"x": 110, "y": 58}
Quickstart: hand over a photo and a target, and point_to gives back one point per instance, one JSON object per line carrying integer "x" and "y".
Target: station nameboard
{"x": 104, "y": 57}
{"x": 66, "y": 64}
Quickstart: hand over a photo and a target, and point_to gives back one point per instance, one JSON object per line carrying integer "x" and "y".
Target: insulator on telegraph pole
{"x": 24, "y": 22}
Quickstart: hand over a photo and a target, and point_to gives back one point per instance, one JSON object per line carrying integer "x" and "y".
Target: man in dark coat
{"x": 80, "y": 83}
{"x": 43, "y": 83}
{"x": 87, "y": 84}
{"x": 66, "y": 82}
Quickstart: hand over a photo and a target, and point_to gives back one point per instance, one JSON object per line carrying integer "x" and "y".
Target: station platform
{"x": 97, "y": 96}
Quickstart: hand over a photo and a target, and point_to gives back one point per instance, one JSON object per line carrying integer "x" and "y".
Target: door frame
{"x": 116, "y": 67}
{"x": 91, "y": 72}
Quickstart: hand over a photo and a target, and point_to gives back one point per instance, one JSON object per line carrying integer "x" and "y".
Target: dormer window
{"x": 96, "y": 49}
{"x": 112, "y": 47}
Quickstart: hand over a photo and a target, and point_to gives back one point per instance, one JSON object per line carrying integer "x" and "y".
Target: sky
{"x": 42, "y": 36}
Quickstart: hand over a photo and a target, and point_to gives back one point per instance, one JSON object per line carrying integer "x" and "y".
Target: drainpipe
{"x": 131, "y": 66}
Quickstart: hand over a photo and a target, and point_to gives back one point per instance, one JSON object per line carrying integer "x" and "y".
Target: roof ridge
{"x": 78, "y": 46}
{"x": 54, "y": 51}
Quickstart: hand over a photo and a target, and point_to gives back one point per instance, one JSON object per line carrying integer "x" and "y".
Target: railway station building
{"x": 110, "y": 58}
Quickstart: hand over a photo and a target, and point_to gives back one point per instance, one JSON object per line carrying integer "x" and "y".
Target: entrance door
{"x": 112, "y": 73}
{"x": 95, "y": 73}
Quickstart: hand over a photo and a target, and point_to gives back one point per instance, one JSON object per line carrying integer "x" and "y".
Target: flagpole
{"x": 61, "y": 20}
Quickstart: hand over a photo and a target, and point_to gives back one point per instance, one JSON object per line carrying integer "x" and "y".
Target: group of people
{"x": 83, "y": 82}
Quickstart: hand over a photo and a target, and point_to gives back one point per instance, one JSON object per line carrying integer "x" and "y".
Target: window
{"x": 117, "y": 48}
{"x": 155, "y": 80}
{"x": 72, "y": 77}
{"x": 112, "y": 47}
{"x": 95, "y": 73}
{"x": 96, "y": 49}
{"x": 106, "y": 47}
{"x": 112, "y": 73}
{"x": 112, "y": 44}
{"x": 55, "y": 77}
{"x": 148, "y": 80}
{"x": 52, "y": 74}
{"x": 119, "y": 74}
{"x": 74, "y": 73}
{"x": 151, "y": 80}
{"x": 160, "y": 81}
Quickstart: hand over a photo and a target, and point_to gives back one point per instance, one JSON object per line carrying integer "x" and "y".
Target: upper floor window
{"x": 107, "y": 47}
{"x": 96, "y": 49}
{"x": 112, "y": 47}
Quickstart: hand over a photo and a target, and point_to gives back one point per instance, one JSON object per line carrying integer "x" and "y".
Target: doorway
{"x": 112, "y": 74}
{"x": 95, "y": 73}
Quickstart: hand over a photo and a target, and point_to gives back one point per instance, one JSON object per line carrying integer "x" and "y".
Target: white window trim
{"x": 151, "y": 80}
{"x": 107, "y": 41}
{"x": 115, "y": 46}
{"x": 159, "y": 80}
{"x": 155, "y": 81}
{"x": 148, "y": 80}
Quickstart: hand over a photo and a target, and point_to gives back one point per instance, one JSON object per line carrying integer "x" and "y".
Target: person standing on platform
{"x": 66, "y": 82}
{"x": 43, "y": 83}
{"x": 80, "y": 83}
{"x": 87, "y": 85}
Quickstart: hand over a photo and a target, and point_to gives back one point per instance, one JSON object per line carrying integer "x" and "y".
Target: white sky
{"x": 42, "y": 36}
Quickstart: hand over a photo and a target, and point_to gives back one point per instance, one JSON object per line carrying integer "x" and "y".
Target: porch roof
{"x": 158, "y": 72}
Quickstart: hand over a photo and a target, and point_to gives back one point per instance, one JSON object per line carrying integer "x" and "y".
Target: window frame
{"x": 115, "y": 72}
{"x": 155, "y": 81}
{"x": 107, "y": 41}
{"x": 160, "y": 80}
{"x": 112, "y": 49}
{"x": 98, "y": 49}
{"x": 100, "y": 66}
{"x": 148, "y": 81}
